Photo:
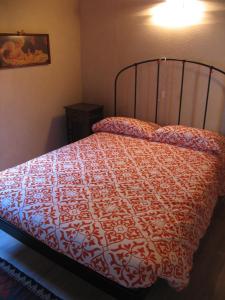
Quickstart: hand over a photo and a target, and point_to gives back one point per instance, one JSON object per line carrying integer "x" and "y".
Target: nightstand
{"x": 80, "y": 118}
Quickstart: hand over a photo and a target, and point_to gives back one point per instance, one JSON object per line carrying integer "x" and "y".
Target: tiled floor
{"x": 207, "y": 279}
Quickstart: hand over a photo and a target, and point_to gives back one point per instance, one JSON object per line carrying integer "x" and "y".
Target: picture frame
{"x": 24, "y": 50}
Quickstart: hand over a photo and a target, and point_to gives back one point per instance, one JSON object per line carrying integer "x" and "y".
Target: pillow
{"x": 126, "y": 126}
{"x": 193, "y": 138}
{"x": 222, "y": 174}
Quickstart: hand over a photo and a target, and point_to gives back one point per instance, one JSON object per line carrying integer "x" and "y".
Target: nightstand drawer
{"x": 80, "y": 118}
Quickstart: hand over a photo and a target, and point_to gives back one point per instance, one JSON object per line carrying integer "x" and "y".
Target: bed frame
{"x": 210, "y": 69}
{"x": 89, "y": 275}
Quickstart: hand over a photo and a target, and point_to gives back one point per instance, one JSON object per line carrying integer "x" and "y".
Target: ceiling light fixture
{"x": 178, "y": 13}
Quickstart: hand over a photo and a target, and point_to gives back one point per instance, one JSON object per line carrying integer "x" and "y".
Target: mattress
{"x": 130, "y": 209}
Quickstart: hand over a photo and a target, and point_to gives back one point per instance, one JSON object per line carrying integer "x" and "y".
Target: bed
{"x": 123, "y": 207}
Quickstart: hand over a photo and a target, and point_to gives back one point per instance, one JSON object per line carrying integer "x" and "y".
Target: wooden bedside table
{"x": 80, "y": 118}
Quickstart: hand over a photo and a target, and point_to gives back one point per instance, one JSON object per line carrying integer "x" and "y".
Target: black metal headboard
{"x": 183, "y": 63}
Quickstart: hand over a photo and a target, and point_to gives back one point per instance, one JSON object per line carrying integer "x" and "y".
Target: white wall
{"x": 116, "y": 33}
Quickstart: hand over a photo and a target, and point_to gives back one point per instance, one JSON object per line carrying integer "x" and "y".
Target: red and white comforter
{"x": 130, "y": 209}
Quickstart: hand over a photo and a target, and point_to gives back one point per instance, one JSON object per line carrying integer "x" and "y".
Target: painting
{"x": 23, "y": 50}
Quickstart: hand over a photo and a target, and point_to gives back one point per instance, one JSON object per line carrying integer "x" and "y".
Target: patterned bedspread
{"x": 130, "y": 209}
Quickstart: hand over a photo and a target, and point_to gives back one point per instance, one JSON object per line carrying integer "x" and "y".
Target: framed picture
{"x": 23, "y": 50}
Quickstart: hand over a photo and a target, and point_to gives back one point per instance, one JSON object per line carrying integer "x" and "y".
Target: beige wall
{"x": 31, "y": 99}
{"x": 115, "y": 33}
